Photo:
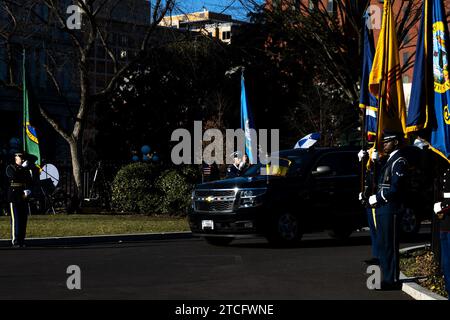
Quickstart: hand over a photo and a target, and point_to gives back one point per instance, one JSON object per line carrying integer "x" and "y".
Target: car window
{"x": 341, "y": 163}
{"x": 287, "y": 166}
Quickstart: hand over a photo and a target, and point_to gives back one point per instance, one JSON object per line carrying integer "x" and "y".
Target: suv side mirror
{"x": 321, "y": 170}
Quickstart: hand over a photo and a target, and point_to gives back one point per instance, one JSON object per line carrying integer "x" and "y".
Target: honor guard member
{"x": 369, "y": 181}
{"x": 442, "y": 209}
{"x": 234, "y": 170}
{"x": 387, "y": 203}
{"x": 18, "y": 194}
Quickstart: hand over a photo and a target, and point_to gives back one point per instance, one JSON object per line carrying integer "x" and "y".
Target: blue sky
{"x": 232, "y": 7}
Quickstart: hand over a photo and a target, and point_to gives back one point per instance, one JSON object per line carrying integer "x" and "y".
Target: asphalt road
{"x": 320, "y": 268}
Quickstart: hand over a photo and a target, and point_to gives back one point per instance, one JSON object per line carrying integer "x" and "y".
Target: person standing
{"x": 369, "y": 181}
{"x": 387, "y": 203}
{"x": 442, "y": 209}
{"x": 234, "y": 170}
{"x": 18, "y": 194}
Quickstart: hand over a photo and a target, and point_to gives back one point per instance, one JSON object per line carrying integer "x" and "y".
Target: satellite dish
{"x": 49, "y": 171}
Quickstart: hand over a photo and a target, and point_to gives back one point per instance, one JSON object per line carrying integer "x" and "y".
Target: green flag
{"x": 30, "y": 140}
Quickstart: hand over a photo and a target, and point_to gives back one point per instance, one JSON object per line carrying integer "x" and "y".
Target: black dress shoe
{"x": 391, "y": 286}
{"x": 372, "y": 261}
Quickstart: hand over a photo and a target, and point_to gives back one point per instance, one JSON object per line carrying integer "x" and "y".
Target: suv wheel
{"x": 286, "y": 230}
{"x": 219, "y": 241}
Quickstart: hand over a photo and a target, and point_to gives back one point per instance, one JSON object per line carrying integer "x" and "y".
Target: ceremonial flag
{"x": 307, "y": 141}
{"x": 420, "y": 89}
{"x": 30, "y": 140}
{"x": 440, "y": 121}
{"x": 431, "y": 78}
{"x": 367, "y": 101}
{"x": 247, "y": 124}
{"x": 385, "y": 81}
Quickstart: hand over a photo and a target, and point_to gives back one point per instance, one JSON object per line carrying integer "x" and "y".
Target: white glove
{"x": 25, "y": 164}
{"x": 437, "y": 207}
{"x": 27, "y": 193}
{"x": 362, "y": 154}
{"x": 372, "y": 200}
{"x": 375, "y": 156}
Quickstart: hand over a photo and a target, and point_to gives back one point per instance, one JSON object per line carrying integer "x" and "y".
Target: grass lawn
{"x": 421, "y": 263}
{"x": 84, "y": 225}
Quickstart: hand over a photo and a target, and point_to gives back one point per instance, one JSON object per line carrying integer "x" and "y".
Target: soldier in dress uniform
{"x": 234, "y": 170}
{"x": 442, "y": 209}
{"x": 19, "y": 191}
{"x": 387, "y": 203}
{"x": 369, "y": 182}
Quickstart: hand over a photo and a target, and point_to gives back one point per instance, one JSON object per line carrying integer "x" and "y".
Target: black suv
{"x": 309, "y": 190}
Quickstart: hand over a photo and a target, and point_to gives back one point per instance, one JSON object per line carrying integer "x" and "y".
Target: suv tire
{"x": 410, "y": 223}
{"x": 286, "y": 230}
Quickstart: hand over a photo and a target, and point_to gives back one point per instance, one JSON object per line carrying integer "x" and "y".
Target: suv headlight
{"x": 251, "y": 197}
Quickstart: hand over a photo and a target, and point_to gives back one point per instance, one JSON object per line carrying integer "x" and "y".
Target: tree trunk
{"x": 76, "y": 170}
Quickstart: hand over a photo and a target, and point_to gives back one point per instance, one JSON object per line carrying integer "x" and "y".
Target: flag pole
{"x": 24, "y": 93}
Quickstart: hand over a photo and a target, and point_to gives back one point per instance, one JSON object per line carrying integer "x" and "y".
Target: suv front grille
{"x": 220, "y": 201}
{"x": 215, "y": 193}
{"x": 222, "y": 206}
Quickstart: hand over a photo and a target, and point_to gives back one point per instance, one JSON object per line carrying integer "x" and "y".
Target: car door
{"x": 334, "y": 182}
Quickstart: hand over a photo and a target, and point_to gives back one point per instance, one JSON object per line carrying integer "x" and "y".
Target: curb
{"x": 117, "y": 238}
{"x": 412, "y": 288}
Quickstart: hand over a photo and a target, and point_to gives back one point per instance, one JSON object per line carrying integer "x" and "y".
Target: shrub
{"x": 192, "y": 173}
{"x": 133, "y": 189}
{"x": 175, "y": 191}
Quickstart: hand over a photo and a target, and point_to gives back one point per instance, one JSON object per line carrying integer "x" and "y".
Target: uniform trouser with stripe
{"x": 371, "y": 220}
{"x": 388, "y": 244}
{"x": 19, "y": 216}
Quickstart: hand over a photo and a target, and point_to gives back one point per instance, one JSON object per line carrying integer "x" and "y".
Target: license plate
{"x": 207, "y": 224}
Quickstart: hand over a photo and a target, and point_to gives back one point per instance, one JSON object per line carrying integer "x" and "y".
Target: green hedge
{"x": 141, "y": 188}
{"x": 133, "y": 187}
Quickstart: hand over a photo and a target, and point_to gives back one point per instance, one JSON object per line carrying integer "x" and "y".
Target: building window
{"x": 406, "y": 39}
{"x": 406, "y": 56}
{"x": 226, "y": 35}
{"x": 330, "y": 6}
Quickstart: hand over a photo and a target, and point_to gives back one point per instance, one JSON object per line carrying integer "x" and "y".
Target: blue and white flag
{"x": 307, "y": 141}
{"x": 247, "y": 124}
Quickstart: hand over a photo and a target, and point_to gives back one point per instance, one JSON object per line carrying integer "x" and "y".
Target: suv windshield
{"x": 285, "y": 166}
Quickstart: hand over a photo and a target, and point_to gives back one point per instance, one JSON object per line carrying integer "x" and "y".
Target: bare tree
{"x": 99, "y": 18}
{"x": 333, "y": 35}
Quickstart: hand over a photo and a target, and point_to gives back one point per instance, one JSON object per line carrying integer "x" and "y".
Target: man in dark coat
{"x": 18, "y": 194}
{"x": 388, "y": 202}
{"x": 234, "y": 170}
